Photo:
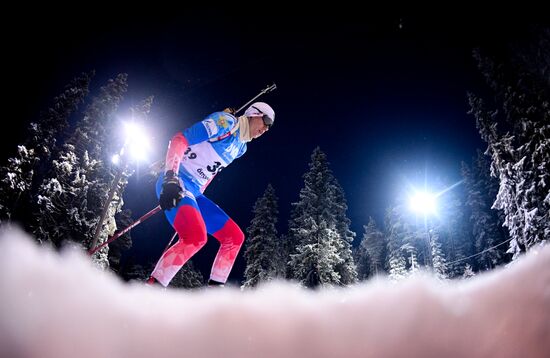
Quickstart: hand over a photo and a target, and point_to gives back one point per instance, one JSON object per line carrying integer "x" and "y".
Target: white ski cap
{"x": 259, "y": 109}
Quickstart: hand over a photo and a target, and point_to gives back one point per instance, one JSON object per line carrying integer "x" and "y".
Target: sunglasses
{"x": 268, "y": 121}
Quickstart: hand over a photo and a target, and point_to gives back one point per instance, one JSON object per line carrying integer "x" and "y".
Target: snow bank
{"x": 58, "y": 305}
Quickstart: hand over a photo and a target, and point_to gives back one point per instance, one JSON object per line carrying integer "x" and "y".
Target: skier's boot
{"x": 212, "y": 283}
{"x": 152, "y": 282}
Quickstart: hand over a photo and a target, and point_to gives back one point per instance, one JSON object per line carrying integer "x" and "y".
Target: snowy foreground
{"x": 55, "y": 305}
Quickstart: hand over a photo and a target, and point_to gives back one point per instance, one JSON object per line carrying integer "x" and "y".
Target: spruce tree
{"x": 188, "y": 277}
{"x": 395, "y": 259}
{"x": 136, "y": 272}
{"x": 263, "y": 247}
{"x": 23, "y": 172}
{"x": 316, "y": 259}
{"x": 486, "y": 225}
{"x": 347, "y": 269}
{"x": 123, "y": 243}
{"x": 454, "y": 230}
{"x": 314, "y": 254}
{"x": 413, "y": 262}
{"x": 517, "y": 139}
{"x": 371, "y": 251}
{"x": 414, "y": 243}
{"x": 468, "y": 272}
{"x": 117, "y": 178}
{"x": 439, "y": 263}
{"x": 70, "y": 198}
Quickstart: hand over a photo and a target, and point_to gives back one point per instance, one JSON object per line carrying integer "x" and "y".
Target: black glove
{"x": 171, "y": 192}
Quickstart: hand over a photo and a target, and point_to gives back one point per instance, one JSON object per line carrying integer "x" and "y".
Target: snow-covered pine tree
{"x": 438, "y": 258}
{"x": 518, "y": 139}
{"x": 347, "y": 269}
{"x": 362, "y": 260}
{"x": 414, "y": 243}
{"x": 288, "y": 244}
{"x": 23, "y": 172}
{"x": 113, "y": 200}
{"x": 397, "y": 264}
{"x": 69, "y": 199}
{"x": 316, "y": 259}
{"x": 135, "y": 271}
{"x": 395, "y": 259}
{"x": 301, "y": 210}
{"x": 122, "y": 218}
{"x": 371, "y": 252}
{"x": 486, "y": 227}
{"x": 468, "y": 272}
{"x": 454, "y": 231}
{"x": 282, "y": 258}
{"x": 123, "y": 243}
{"x": 410, "y": 232}
{"x": 312, "y": 228}
{"x": 413, "y": 262}
{"x": 188, "y": 277}
{"x": 263, "y": 250}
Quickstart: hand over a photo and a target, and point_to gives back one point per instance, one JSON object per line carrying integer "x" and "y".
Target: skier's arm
{"x": 172, "y": 191}
{"x": 178, "y": 144}
{"x": 176, "y": 148}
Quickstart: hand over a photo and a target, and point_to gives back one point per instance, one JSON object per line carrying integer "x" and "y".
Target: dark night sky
{"x": 383, "y": 95}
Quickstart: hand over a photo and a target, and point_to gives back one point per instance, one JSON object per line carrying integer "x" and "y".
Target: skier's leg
{"x": 187, "y": 220}
{"x": 227, "y": 232}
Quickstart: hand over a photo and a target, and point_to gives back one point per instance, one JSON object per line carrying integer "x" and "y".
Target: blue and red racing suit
{"x": 197, "y": 155}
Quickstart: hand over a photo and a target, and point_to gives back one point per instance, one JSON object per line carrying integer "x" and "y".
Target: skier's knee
{"x": 237, "y": 235}
{"x": 239, "y": 239}
{"x": 230, "y": 234}
{"x": 200, "y": 241}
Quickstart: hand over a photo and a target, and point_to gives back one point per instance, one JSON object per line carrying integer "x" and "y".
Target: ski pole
{"x": 168, "y": 246}
{"x": 120, "y": 233}
{"x": 268, "y": 89}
